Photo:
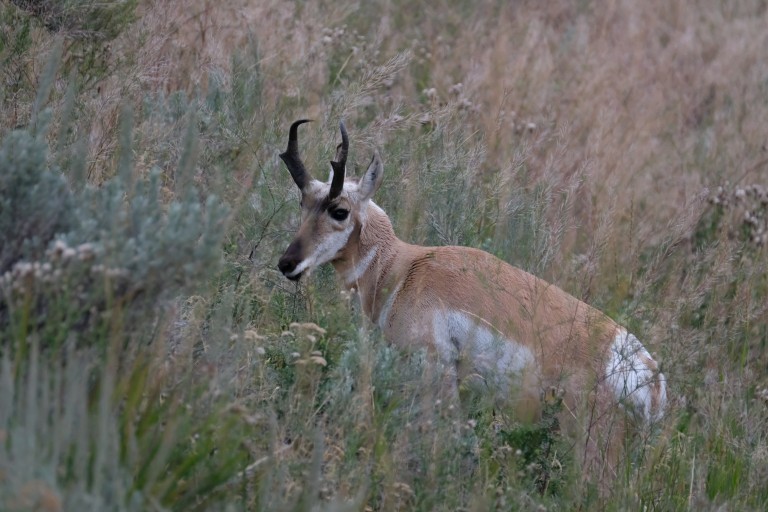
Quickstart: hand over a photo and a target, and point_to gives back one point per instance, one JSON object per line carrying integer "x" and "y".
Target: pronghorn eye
{"x": 338, "y": 214}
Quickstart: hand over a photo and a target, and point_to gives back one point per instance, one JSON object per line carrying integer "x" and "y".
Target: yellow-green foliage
{"x": 152, "y": 356}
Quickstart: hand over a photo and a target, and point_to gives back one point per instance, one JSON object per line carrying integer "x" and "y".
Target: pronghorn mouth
{"x": 294, "y": 277}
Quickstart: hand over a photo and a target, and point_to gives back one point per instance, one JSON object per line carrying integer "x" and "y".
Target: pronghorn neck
{"x": 366, "y": 262}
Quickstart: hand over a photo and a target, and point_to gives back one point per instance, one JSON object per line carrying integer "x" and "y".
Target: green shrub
{"x": 75, "y": 255}
{"x": 35, "y": 201}
{"x": 85, "y": 271}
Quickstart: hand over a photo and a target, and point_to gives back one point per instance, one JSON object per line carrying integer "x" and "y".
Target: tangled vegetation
{"x": 153, "y": 358}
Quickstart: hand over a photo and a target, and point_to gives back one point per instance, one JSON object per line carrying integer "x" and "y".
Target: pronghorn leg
{"x": 446, "y": 367}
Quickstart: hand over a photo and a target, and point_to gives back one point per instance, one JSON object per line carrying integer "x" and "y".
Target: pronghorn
{"x": 484, "y": 319}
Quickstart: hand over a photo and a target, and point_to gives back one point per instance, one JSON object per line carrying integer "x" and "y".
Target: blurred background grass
{"x": 152, "y": 357}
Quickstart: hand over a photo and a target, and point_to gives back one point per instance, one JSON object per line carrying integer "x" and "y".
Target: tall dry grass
{"x": 583, "y": 141}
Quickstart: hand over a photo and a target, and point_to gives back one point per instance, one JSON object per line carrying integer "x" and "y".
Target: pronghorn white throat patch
{"x": 361, "y": 266}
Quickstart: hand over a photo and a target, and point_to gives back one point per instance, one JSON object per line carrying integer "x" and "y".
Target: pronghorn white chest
{"x": 360, "y": 267}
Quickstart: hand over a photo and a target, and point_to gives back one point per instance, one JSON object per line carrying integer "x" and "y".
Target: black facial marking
{"x": 339, "y": 214}
{"x": 327, "y": 204}
{"x": 291, "y": 259}
{"x": 334, "y": 210}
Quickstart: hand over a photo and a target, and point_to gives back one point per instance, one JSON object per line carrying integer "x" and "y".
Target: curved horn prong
{"x": 292, "y": 159}
{"x": 340, "y": 165}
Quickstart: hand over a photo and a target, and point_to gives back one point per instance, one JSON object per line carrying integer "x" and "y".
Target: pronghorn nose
{"x": 288, "y": 265}
{"x": 291, "y": 260}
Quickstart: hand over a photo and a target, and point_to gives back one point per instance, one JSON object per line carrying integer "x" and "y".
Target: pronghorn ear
{"x": 371, "y": 180}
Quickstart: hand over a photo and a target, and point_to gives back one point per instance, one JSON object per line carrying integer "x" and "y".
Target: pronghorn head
{"x": 330, "y": 212}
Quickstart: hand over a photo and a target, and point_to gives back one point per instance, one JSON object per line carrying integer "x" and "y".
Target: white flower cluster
{"x": 519, "y": 126}
{"x": 750, "y": 204}
{"x": 310, "y": 331}
{"x": 457, "y": 96}
{"x": 23, "y": 275}
{"x": 337, "y": 34}
{"x": 62, "y": 252}
{"x": 346, "y": 40}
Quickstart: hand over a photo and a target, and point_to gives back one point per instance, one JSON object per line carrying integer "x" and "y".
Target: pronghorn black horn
{"x": 340, "y": 165}
{"x": 292, "y": 159}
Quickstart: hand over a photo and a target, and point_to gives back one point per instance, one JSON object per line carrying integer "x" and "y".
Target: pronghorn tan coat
{"x": 488, "y": 322}
{"x": 558, "y": 341}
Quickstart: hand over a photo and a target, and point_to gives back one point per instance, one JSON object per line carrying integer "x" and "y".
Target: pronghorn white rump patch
{"x": 482, "y": 349}
{"x": 325, "y": 250}
{"x": 634, "y": 376}
{"x": 361, "y": 266}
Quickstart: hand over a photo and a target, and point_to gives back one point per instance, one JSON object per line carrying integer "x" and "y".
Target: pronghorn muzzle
{"x": 290, "y": 260}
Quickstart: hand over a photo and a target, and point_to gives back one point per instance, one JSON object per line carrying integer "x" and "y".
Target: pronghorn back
{"x": 485, "y": 320}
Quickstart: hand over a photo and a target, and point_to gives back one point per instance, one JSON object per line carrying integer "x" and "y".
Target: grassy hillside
{"x": 153, "y": 358}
